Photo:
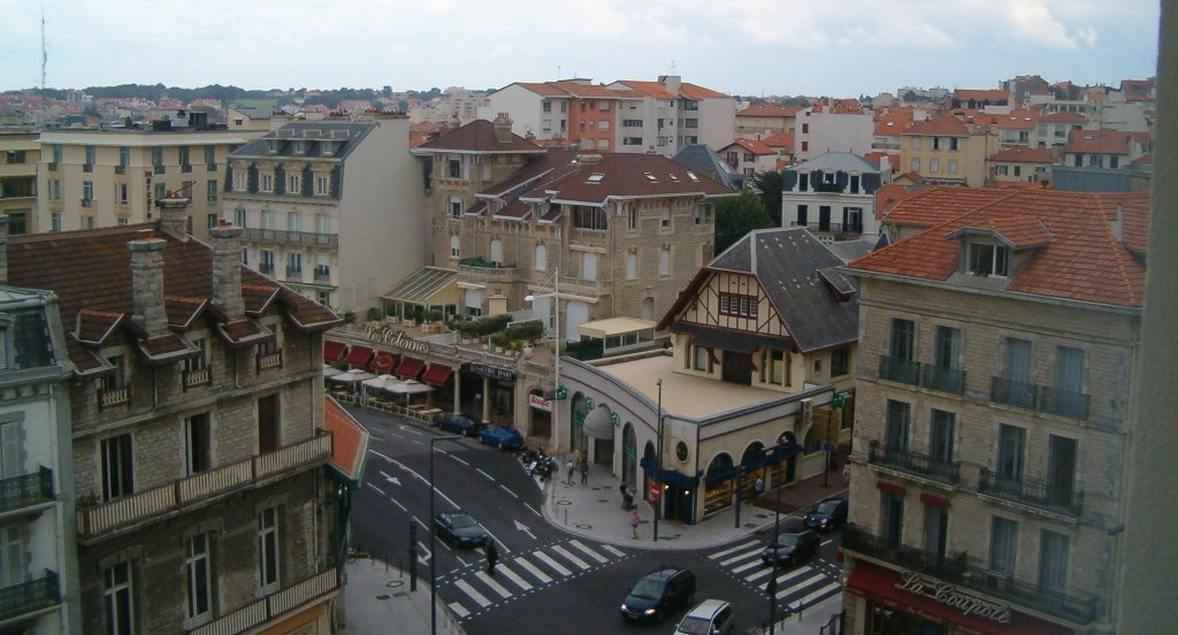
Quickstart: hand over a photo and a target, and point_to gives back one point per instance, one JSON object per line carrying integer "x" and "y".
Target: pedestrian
{"x": 572, "y": 467}
{"x": 584, "y": 472}
{"x": 492, "y": 556}
{"x": 634, "y": 520}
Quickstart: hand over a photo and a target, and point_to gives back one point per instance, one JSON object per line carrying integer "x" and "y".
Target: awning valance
{"x": 670, "y": 477}
{"x": 383, "y": 363}
{"x": 359, "y": 356}
{"x": 410, "y": 367}
{"x": 437, "y": 375}
{"x": 598, "y": 424}
{"x": 334, "y": 352}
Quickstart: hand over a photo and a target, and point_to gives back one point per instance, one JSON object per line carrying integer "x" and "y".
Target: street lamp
{"x": 555, "y": 295}
{"x": 433, "y": 537}
{"x": 658, "y": 462}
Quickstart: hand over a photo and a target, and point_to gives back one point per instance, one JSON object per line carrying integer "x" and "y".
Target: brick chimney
{"x": 3, "y": 248}
{"x": 147, "y": 285}
{"x": 502, "y": 128}
{"x": 174, "y": 214}
{"x": 226, "y": 241}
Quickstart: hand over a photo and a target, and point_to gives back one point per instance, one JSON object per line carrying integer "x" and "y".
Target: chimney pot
{"x": 147, "y": 285}
{"x": 226, "y": 241}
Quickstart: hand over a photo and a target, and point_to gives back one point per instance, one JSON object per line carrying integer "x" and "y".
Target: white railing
{"x": 114, "y": 396}
{"x": 273, "y": 606}
{"x": 196, "y": 377}
{"x": 215, "y": 481}
{"x": 292, "y": 456}
{"x": 303, "y": 592}
{"x": 270, "y": 360}
{"x": 124, "y": 510}
{"x": 238, "y": 621}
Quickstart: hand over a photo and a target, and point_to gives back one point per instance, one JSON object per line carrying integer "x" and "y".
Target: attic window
{"x": 691, "y": 175}
{"x": 650, "y": 177}
{"x": 300, "y": 147}
{"x": 596, "y": 177}
{"x": 272, "y": 146}
{"x": 987, "y": 259}
{"x": 325, "y": 148}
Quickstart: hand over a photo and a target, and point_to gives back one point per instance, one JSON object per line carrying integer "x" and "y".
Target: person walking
{"x": 634, "y": 521}
{"x": 492, "y": 557}
{"x": 584, "y": 472}
{"x": 572, "y": 467}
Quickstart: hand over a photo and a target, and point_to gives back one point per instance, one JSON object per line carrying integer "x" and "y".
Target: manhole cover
{"x": 584, "y": 526}
{"x": 603, "y": 500}
{"x": 564, "y": 501}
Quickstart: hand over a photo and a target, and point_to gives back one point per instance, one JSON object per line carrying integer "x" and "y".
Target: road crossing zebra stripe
{"x": 746, "y": 566}
{"x": 556, "y": 566}
{"x": 459, "y": 610}
{"x": 570, "y": 557}
{"x": 495, "y": 586}
{"x": 820, "y": 592}
{"x": 783, "y": 590}
{"x": 744, "y": 556}
{"x": 758, "y": 575}
{"x": 514, "y": 577}
{"x": 589, "y": 552}
{"x": 783, "y": 578}
{"x": 617, "y": 552}
{"x": 479, "y": 599}
{"x": 717, "y": 556}
{"x": 539, "y": 575}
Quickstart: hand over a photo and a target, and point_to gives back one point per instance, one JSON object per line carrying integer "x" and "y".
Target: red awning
{"x": 349, "y": 440}
{"x": 333, "y": 352}
{"x": 933, "y": 501}
{"x": 358, "y": 357}
{"x": 410, "y": 368}
{"x": 879, "y": 584}
{"x": 891, "y": 488}
{"x": 383, "y": 363}
{"x": 437, "y": 375}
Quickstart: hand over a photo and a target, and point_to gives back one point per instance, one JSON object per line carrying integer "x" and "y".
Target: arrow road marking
{"x": 531, "y": 568}
{"x": 524, "y": 528}
{"x": 391, "y": 479}
{"x": 589, "y": 552}
{"x": 424, "y": 558}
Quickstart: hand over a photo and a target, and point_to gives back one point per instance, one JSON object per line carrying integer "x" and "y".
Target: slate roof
{"x": 623, "y": 175}
{"x": 702, "y": 160}
{"x": 477, "y": 136}
{"x": 1076, "y": 254}
{"x": 838, "y": 162}
{"x": 817, "y": 304}
{"x": 346, "y": 136}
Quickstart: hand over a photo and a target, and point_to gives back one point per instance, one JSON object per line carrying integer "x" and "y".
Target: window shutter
{"x": 280, "y": 180}
{"x": 308, "y": 177}
{"x": 870, "y": 183}
{"x": 11, "y": 449}
{"x": 841, "y": 179}
{"x": 789, "y": 179}
{"x": 337, "y": 177}
{"x": 252, "y": 175}
{"x": 228, "y": 177}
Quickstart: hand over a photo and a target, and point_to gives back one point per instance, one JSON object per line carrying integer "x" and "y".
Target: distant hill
{"x": 233, "y": 94}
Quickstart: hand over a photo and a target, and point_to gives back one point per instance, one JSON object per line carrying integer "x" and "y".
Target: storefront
{"x": 498, "y": 394}
{"x": 539, "y": 415}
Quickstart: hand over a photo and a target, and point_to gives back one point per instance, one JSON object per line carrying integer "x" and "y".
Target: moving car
{"x": 709, "y": 618}
{"x": 461, "y": 530}
{"x": 791, "y": 548}
{"x": 502, "y": 437}
{"x": 829, "y": 513}
{"x": 458, "y": 424}
{"x": 659, "y": 593}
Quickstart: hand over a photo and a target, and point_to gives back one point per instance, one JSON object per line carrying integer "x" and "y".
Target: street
{"x": 546, "y": 581}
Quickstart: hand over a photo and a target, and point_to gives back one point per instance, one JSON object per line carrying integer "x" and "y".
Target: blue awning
{"x": 670, "y": 477}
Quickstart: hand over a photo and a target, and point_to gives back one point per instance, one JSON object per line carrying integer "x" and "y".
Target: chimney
{"x": 1116, "y": 225}
{"x": 671, "y": 83}
{"x": 147, "y": 285}
{"x": 502, "y": 128}
{"x": 174, "y": 214}
{"x": 3, "y": 248}
{"x": 226, "y": 241}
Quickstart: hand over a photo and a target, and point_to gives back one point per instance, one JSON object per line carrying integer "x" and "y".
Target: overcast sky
{"x": 812, "y": 47}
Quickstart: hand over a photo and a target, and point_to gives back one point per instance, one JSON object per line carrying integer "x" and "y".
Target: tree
{"x": 737, "y": 216}
{"x": 769, "y": 185}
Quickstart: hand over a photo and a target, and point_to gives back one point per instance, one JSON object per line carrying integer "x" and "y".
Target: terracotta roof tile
{"x": 753, "y": 145}
{"x": 943, "y": 126}
{"x": 545, "y": 89}
{"x": 1022, "y": 154}
{"x": 695, "y": 91}
{"x": 627, "y": 175}
{"x": 767, "y": 109}
{"x": 596, "y": 91}
{"x": 650, "y": 89}
{"x": 981, "y": 94}
{"x": 1098, "y": 142}
{"x": 1016, "y": 120}
{"x": 780, "y": 140}
{"x": 478, "y": 136}
{"x": 893, "y": 122}
{"x": 1063, "y": 117}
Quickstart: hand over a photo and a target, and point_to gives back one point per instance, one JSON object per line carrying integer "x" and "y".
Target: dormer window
{"x": 272, "y": 146}
{"x": 300, "y": 147}
{"x": 325, "y": 148}
{"x": 987, "y": 259}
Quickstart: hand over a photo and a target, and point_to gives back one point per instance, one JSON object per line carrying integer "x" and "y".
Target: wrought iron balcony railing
{"x": 1045, "y": 399}
{"x": 26, "y": 490}
{"x": 1061, "y": 498}
{"x": 29, "y": 597}
{"x": 916, "y": 463}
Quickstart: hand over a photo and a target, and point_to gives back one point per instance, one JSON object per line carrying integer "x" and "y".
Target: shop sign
{"x": 953, "y": 597}
{"x": 539, "y": 402}
{"x": 398, "y": 339}
{"x": 493, "y": 372}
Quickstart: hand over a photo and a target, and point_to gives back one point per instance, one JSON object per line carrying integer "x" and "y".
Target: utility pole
{"x": 658, "y": 464}
{"x": 44, "y": 50}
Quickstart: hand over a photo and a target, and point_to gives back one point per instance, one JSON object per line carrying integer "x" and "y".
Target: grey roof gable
{"x": 700, "y": 158}
{"x": 837, "y": 161}
{"x": 356, "y": 132}
{"x": 738, "y": 257}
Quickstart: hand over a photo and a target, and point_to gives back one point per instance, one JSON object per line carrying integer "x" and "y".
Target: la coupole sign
{"x": 954, "y": 597}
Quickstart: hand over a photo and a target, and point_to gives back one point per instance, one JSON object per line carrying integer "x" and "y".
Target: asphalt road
{"x": 547, "y": 581}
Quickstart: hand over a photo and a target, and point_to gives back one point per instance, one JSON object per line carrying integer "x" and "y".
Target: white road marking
{"x": 570, "y": 557}
{"x": 374, "y": 437}
{"x": 496, "y": 538}
{"x": 495, "y": 586}
{"x": 531, "y": 568}
{"x": 617, "y": 552}
{"x": 746, "y": 566}
{"x": 785, "y": 577}
{"x": 408, "y": 469}
{"x": 819, "y": 593}
{"x": 398, "y": 504}
{"x": 514, "y": 577}
{"x": 458, "y": 609}
{"x": 452, "y": 503}
{"x": 464, "y": 563}
{"x": 721, "y": 554}
{"x": 758, "y": 575}
{"x": 508, "y": 490}
{"x": 589, "y": 552}
{"x": 423, "y": 525}
{"x": 416, "y": 441}
{"x": 377, "y": 489}
{"x": 489, "y": 477}
{"x": 752, "y": 553}
{"x": 460, "y": 460}
{"x": 533, "y": 510}
{"x": 556, "y": 566}
{"x": 381, "y": 456}
{"x": 443, "y": 450}
{"x": 394, "y": 434}
{"x": 444, "y": 545}
{"x": 479, "y": 599}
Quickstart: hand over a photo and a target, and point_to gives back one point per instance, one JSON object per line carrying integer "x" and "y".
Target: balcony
{"x": 961, "y": 570}
{"x": 53, "y": 166}
{"x": 266, "y": 361}
{"x": 831, "y": 228}
{"x": 87, "y": 167}
{"x": 120, "y": 169}
{"x": 186, "y": 168}
{"x": 294, "y": 273}
{"x": 1042, "y": 399}
{"x": 196, "y": 377}
{"x": 108, "y": 518}
{"x": 323, "y": 275}
{"x": 110, "y": 397}
{"x": 916, "y": 463}
{"x": 29, "y": 597}
{"x": 266, "y": 267}
{"x": 26, "y": 490}
{"x": 274, "y": 606}
{"x": 899, "y": 370}
{"x": 87, "y": 202}
{"x": 951, "y": 380}
{"x": 1033, "y": 492}
{"x": 211, "y": 167}
{"x": 292, "y": 237}
{"x": 158, "y": 169}
{"x": 482, "y": 270}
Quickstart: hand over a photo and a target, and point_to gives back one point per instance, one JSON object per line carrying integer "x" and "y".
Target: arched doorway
{"x": 599, "y": 426}
{"x": 648, "y": 459}
{"x": 629, "y": 456}
{"x": 753, "y": 462}
{"x": 718, "y": 483}
{"x": 580, "y": 409}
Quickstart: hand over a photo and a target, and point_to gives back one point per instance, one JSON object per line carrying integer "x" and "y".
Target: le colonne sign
{"x": 398, "y": 339}
{"x": 954, "y": 597}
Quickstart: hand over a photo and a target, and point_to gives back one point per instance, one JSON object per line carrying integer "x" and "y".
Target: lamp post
{"x": 433, "y": 537}
{"x": 658, "y": 462}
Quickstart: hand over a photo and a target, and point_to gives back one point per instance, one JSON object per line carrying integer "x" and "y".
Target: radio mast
{"x": 44, "y": 49}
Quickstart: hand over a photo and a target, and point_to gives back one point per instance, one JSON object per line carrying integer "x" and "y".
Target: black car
{"x": 458, "y": 424}
{"x": 791, "y": 548}
{"x": 658, "y": 594}
{"x": 830, "y": 513}
{"x": 461, "y": 530}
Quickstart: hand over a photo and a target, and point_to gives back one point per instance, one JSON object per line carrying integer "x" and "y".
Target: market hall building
{"x": 762, "y": 348}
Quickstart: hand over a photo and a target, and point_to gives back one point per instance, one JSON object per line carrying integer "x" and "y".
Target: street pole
{"x": 556, "y": 352}
{"x": 776, "y": 536}
{"x": 433, "y": 539}
{"x": 658, "y": 463}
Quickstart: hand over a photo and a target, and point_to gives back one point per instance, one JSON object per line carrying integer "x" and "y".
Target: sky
{"x": 748, "y": 47}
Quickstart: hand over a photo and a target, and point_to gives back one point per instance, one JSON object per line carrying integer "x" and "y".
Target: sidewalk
{"x": 594, "y": 511}
{"x": 377, "y": 600}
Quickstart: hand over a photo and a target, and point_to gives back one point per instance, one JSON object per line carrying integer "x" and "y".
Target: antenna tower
{"x": 44, "y": 49}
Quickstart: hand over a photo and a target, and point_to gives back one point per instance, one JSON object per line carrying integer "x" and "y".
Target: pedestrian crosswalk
{"x": 797, "y": 587}
{"x": 471, "y": 591}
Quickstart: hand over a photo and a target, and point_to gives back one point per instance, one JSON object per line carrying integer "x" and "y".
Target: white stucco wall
{"x": 523, "y": 106}
{"x": 833, "y": 133}
{"x": 717, "y": 122}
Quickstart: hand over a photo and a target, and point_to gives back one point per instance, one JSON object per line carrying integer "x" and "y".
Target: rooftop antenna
{"x": 558, "y": 72}
{"x": 44, "y": 50}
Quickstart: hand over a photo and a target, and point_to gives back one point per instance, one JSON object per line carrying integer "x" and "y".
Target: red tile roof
{"x": 767, "y": 109}
{"x": 595, "y": 91}
{"x": 1098, "y": 142}
{"x": 755, "y": 146}
{"x": 695, "y": 91}
{"x": 1063, "y": 117}
{"x": 982, "y": 94}
{"x": 545, "y": 89}
{"x": 478, "y": 136}
{"x": 1077, "y": 257}
{"x": 650, "y": 89}
{"x": 1022, "y": 154}
{"x": 893, "y": 122}
{"x": 890, "y": 195}
{"x": 846, "y": 106}
{"x": 1016, "y": 120}
{"x": 944, "y": 125}
{"x": 622, "y": 175}
{"x": 780, "y": 140}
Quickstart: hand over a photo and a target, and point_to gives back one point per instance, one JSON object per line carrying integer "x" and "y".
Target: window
{"x": 1012, "y": 442}
{"x": 603, "y": 124}
{"x": 953, "y": 144}
{"x": 934, "y": 166}
{"x": 803, "y": 212}
{"x": 589, "y": 267}
{"x": 267, "y": 218}
{"x": 903, "y": 340}
{"x": 987, "y": 259}
{"x": 212, "y": 221}
{"x": 197, "y": 436}
{"x": 805, "y": 128}
{"x": 1061, "y": 469}
{"x": 936, "y": 530}
{"x": 892, "y": 518}
{"x": 211, "y": 156}
{"x": 1018, "y": 170}
{"x": 266, "y": 183}
{"x": 185, "y": 163}
{"x": 805, "y": 146}
{"x": 854, "y": 183}
{"x": 245, "y": 256}
{"x": 87, "y": 193}
{"x": 294, "y": 222}
{"x": 899, "y": 423}
{"x": 196, "y": 569}
{"x": 294, "y": 184}
{"x": 590, "y": 218}
{"x": 324, "y": 224}
{"x": 497, "y": 251}
{"x": 124, "y": 156}
{"x": 916, "y": 143}
{"x": 455, "y": 207}
{"x": 89, "y": 161}
{"x": 546, "y": 106}
{"x": 942, "y": 428}
{"x": 947, "y": 353}
{"x": 239, "y": 217}
{"x": 540, "y": 259}
{"x": 703, "y": 214}
{"x": 117, "y": 467}
{"x": 55, "y": 222}
{"x": 632, "y": 218}
{"x": 1069, "y": 370}
{"x": 951, "y": 167}
{"x": 268, "y": 548}
{"x": 121, "y": 220}
{"x": 603, "y": 106}
{"x": 665, "y": 261}
{"x": 212, "y": 191}
{"x": 936, "y": 143}
{"x": 55, "y": 189}
{"x": 631, "y": 123}
{"x": 774, "y": 367}
{"x": 665, "y": 219}
{"x": 1053, "y": 561}
{"x": 915, "y": 165}
{"x": 322, "y": 185}
{"x": 240, "y": 180}
{"x": 294, "y": 264}
{"x": 1003, "y": 545}
{"x": 455, "y": 247}
{"x": 455, "y": 167}
{"x": 266, "y": 260}
{"x": 738, "y": 305}
{"x": 700, "y": 358}
{"x": 1114, "y": 162}
{"x": 632, "y": 264}
{"x": 631, "y": 141}
{"x": 840, "y": 362}
{"x": 749, "y": 157}
{"x": 749, "y": 172}
{"x": 117, "y": 600}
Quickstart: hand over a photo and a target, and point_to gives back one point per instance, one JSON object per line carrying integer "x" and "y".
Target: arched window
{"x": 541, "y": 259}
{"x": 455, "y": 247}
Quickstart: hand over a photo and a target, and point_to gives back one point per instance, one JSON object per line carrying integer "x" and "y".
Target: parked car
{"x": 458, "y": 424}
{"x": 658, "y": 594}
{"x": 460, "y": 530}
{"x": 829, "y": 513}
{"x": 502, "y": 437}
{"x": 709, "y": 618}
{"x": 791, "y": 548}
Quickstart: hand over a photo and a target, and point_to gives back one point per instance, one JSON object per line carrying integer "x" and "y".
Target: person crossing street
{"x": 492, "y": 557}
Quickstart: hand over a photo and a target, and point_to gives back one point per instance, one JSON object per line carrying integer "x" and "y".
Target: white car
{"x": 711, "y": 617}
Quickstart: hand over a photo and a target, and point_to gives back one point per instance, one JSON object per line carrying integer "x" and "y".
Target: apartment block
{"x": 19, "y": 154}
{"x": 91, "y": 178}
{"x": 993, "y": 419}
{"x": 1021, "y": 165}
{"x": 823, "y": 128}
{"x": 945, "y": 150}
{"x": 764, "y": 118}
{"x": 749, "y": 157}
{"x": 832, "y": 195}
{"x": 196, "y": 412}
{"x": 329, "y": 207}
